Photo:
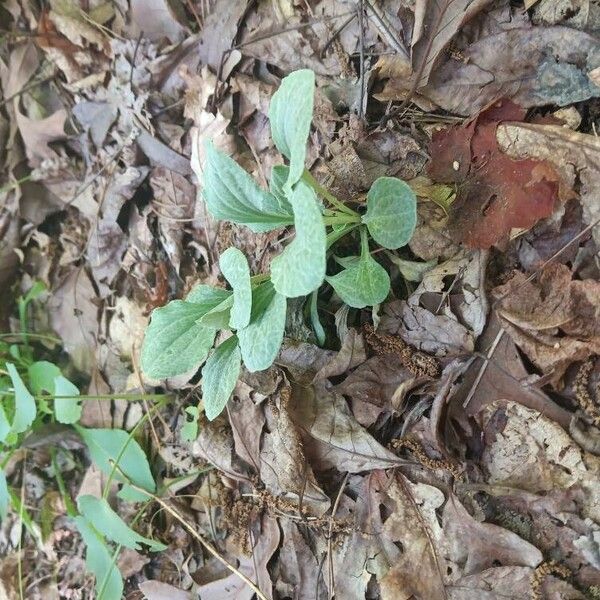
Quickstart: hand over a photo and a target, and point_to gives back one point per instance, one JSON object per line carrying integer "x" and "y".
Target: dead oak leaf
{"x": 495, "y": 193}
{"x": 555, "y": 320}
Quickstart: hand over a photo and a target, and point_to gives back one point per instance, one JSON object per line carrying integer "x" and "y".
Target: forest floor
{"x": 443, "y": 443}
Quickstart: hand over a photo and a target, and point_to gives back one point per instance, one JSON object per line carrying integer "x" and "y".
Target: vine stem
{"x": 322, "y": 191}
{"x": 207, "y": 546}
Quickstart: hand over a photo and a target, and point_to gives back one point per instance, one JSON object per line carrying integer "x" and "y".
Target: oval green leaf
{"x": 261, "y": 340}
{"x": 232, "y": 195}
{"x": 219, "y": 376}
{"x": 174, "y": 342}
{"x": 235, "y": 269}
{"x": 300, "y": 268}
{"x": 67, "y": 404}
{"x": 25, "y": 409}
{"x": 391, "y": 215}
{"x": 363, "y": 283}
{"x": 290, "y": 115}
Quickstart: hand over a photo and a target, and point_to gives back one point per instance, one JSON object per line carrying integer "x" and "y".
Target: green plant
{"x": 181, "y": 334}
{"x": 34, "y": 393}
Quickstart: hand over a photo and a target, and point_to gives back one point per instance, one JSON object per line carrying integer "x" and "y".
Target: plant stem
{"x": 325, "y": 193}
{"x": 334, "y": 236}
{"x": 132, "y": 397}
{"x": 341, "y": 219}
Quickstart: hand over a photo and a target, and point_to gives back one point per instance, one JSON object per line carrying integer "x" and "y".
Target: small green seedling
{"x": 181, "y": 334}
{"x": 36, "y": 393}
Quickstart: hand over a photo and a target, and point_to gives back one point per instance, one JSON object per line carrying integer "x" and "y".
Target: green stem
{"x": 62, "y": 488}
{"x": 341, "y": 219}
{"x": 132, "y": 397}
{"x": 334, "y": 236}
{"x": 325, "y": 193}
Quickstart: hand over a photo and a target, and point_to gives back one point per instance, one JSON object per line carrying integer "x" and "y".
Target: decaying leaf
{"x": 495, "y": 193}
{"x": 576, "y": 156}
{"x": 555, "y": 320}
{"x": 333, "y": 436}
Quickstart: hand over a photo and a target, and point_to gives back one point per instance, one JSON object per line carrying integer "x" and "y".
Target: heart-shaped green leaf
{"x": 106, "y": 520}
{"x": 207, "y": 295}
{"x": 219, "y": 376}
{"x": 174, "y": 342}
{"x": 290, "y": 115}
{"x": 364, "y": 282}
{"x": 231, "y": 194}
{"x": 235, "y": 269}
{"x": 391, "y": 215}
{"x": 300, "y": 268}
{"x": 261, "y": 340}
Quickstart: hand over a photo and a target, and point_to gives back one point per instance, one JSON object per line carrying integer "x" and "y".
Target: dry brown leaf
{"x": 377, "y": 386}
{"x": 157, "y": 590}
{"x": 533, "y": 67}
{"x": 495, "y": 193}
{"x": 156, "y": 20}
{"x": 296, "y": 573}
{"x": 421, "y": 327}
{"x": 555, "y": 320}
{"x": 107, "y": 243}
{"x": 247, "y": 420}
{"x": 527, "y": 451}
{"x": 37, "y": 134}
{"x": 333, "y": 437}
{"x": 576, "y": 156}
{"x": 174, "y": 201}
{"x": 503, "y": 376}
{"x": 284, "y": 468}
{"x": 73, "y": 309}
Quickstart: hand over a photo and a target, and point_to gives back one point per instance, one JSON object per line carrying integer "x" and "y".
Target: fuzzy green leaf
{"x": 290, "y": 115}
{"x": 174, "y": 342}
{"x": 68, "y": 408}
{"x": 4, "y": 496}
{"x": 235, "y": 269}
{"x": 207, "y": 296}
{"x": 300, "y": 268}
{"x": 219, "y": 376}
{"x": 110, "y": 446}
{"x": 99, "y": 561}
{"x": 4, "y": 425}
{"x": 25, "y": 409}
{"x": 279, "y": 176}
{"x": 391, "y": 215}
{"x": 106, "y": 520}
{"x": 363, "y": 282}
{"x": 261, "y": 340}
{"x": 219, "y": 316}
{"x": 232, "y": 195}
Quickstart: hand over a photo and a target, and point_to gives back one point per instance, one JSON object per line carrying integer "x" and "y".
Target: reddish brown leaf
{"x": 495, "y": 192}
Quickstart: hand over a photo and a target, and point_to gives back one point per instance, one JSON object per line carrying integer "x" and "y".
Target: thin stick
{"x": 207, "y": 546}
{"x": 329, "y": 535}
{"x": 483, "y": 368}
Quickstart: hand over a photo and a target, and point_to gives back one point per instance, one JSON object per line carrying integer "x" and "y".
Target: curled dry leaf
{"x": 283, "y": 464}
{"x": 333, "y": 436}
{"x": 555, "y": 320}
{"x": 495, "y": 192}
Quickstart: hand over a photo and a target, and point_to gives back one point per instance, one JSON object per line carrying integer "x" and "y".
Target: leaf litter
{"x": 450, "y": 449}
